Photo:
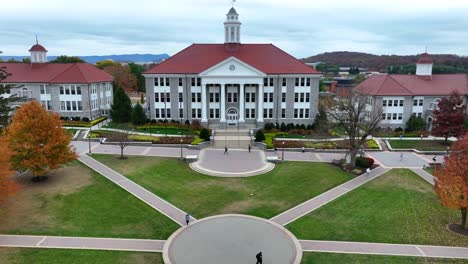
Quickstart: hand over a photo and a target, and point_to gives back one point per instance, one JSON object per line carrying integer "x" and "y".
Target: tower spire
{"x": 37, "y": 41}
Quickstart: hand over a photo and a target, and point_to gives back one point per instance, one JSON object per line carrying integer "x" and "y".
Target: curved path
{"x": 234, "y": 163}
{"x": 232, "y": 239}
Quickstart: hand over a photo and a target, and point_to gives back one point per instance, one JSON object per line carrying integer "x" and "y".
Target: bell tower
{"x": 38, "y": 53}
{"x": 232, "y": 27}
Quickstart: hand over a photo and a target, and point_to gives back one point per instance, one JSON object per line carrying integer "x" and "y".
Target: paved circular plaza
{"x": 235, "y": 163}
{"x": 232, "y": 239}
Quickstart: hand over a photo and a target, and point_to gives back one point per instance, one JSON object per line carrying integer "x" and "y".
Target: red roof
{"x": 425, "y": 59}
{"x": 413, "y": 85}
{"x": 37, "y": 47}
{"x": 266, "y": 58}
{"x": 54, "y": 73}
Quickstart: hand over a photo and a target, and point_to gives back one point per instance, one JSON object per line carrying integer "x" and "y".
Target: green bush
{"x": 197, "y": 140}
{"x": 205, "y": 134}
{"x": 364, "y": 162}
{"x": 415, "y": 123}
{"x": 371, "y": 144}
{"x": 154, "y": 140}
{"x": 259, "y": 136}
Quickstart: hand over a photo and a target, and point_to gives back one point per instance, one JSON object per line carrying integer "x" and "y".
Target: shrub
{"x": 302, "y": 127}
{"x": 175, "y": 140}
{"x": 187, "y": 122}
{"x": 85, "y": 119}
{"x": 269, "y": 126}
{"x": 289, "y": 126}
{"x": 283, "y": 127}
{"x": 205, "y": 134}
{"x": 398, "y": 129}
{"x": 371, "y": 144}
{"x": 154, "y": 140}
{"x": 277, "y": 126}
{"x": 259, "y": 136}
{"x": 197, "y": 140}
{"x": 196, "y": 125}
{"x": 364, "y": 162}
{"x": 309, "y": 127}
{"x": 415, "y": 123}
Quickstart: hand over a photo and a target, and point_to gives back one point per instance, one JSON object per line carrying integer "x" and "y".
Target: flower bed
{"x": 72, "y": 123}
{"x": 341, "y": 144}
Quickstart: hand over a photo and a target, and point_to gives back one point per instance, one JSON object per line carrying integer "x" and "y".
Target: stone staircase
{"x": 232, "y": 138}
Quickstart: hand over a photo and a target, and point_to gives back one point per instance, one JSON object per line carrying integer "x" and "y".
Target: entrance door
{"x": 232, "y": 116}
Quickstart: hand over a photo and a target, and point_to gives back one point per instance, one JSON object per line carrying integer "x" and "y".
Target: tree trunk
{"x": 121, "y": 153}
{"x": 463, "y": 211}
{"x": 446, "y": 138}
{"x": 352, "y": 157}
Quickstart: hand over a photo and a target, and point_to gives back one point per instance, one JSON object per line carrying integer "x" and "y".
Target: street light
{"x": 282, "y": 154}
{"x": 89, "y": 141}
{"x": 181, "y": 156}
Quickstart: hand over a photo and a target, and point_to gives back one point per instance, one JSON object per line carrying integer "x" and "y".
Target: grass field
{"x": 397, "y": 207}
{"x": 331, "y": 258}
{"x": 265, "y": 195}
{"x": 73, "y": 256}
{"x": 76, "y": 201}
{"x": 421, "y": 145}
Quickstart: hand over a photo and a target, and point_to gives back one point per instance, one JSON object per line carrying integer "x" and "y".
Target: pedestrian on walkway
{"x": 249, "y": 147}
{"x": 259, "y": 258}
{"x": 421, "y": 136}
{"x": 401, "y": 156}
{"x": 303, "y": 149}
{"x": 401, "y": 136}
{"x": 187, "y": 219}
{"x": 225, "y": 150}
{"x": 276, "y": 149}
{"x": 434, "y": 158}
{"x": 368, "y": 171}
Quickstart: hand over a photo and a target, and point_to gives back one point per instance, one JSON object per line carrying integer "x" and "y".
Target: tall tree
{"x": 67, "y": 59}
{"x": 6, "y": 101}
{"x": 138, "y": 115}
{"x": 105, "y": 63}
{"x": 7, "y": 185}
{"x": 122, "y": 77}
{"x": 451, "y": 183}
{"x": 121, "y": 109}
{"x": 137, "y": 71}
{"x": 358, "y": 118}
{"x": 38, "y": 141}
{"x": 449, "y": 117}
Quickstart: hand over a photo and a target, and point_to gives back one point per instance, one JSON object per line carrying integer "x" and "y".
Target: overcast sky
{"x": 300, "y": 27}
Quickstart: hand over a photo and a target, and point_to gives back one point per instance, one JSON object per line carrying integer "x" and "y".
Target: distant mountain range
{"x": 382, "y": 62}
{"x": 137, "y": 58}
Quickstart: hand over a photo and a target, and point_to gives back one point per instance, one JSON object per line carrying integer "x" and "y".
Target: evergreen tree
{"x": 205, "y": 134}
{"x": 415, "y": 123}
{"x": 121, "y": 109}
{"x": 138, "y": 115}
{"x": 259, "y": 136}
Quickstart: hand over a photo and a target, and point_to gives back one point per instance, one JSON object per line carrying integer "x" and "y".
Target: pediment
{"x": 232, "y": 67}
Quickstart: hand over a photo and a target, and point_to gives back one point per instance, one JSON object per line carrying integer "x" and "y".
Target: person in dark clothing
{"x": 434, "y": 158}
{"x": 187, "y": 218}
{"x": 259, "y": 258}
{"x": 225, "y": 150}
{"x": 249, "y": 147}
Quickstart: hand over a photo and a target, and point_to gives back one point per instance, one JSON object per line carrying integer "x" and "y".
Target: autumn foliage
{"x": 452, "y": 179}
{"x": 449, "y": 117}
{"x": 123, "y": 77}
{"x": 7, "y": 185}
{"x": 37, "y": 140}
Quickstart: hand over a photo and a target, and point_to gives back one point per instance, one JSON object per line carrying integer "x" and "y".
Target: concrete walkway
{"x": 141, "y": 193}
{"x": 425, "y": 175}
{"x": 120, "y": 244}
{"x": 384, "y": 249}
{"x": 326, "y": 197}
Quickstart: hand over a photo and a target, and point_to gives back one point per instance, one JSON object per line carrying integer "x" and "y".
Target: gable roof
{"x": 199, "y": 57}
{"x": 412, "y": 85}
{"x": 54, "y": 73}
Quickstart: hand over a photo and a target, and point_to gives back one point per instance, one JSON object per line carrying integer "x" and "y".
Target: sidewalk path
{"x": 141, "y": 193}
{"x": 120, "y": 244}
{"x": 425, "y": 175}
{"x": 384, "y": 249}
{"x": 326, "y": 197}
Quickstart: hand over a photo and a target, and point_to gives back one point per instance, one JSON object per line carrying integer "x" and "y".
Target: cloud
{"x": 300, "y": 27}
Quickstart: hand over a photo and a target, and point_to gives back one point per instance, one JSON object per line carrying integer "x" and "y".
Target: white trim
{"x": 260, "y": 73}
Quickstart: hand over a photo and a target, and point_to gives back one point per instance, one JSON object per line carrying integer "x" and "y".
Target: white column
{"x": 204, "y": 87}
{"x": 260, "y": 103}
{"x": 223, "y": 103}
{"x": 242, "y": 104}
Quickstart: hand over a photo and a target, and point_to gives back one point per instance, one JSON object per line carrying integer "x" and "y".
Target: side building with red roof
{"x": 245, "y": 85}
{"x": 70, "y": 89}
{"x": 402, "y": 96}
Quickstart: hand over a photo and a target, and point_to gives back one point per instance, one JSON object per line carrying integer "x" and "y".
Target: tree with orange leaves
{"x": 451, "y": 183}
{"x": 123, "y": 77}
{"x": 38, "y": 140}
{"x": 7, "y": 185}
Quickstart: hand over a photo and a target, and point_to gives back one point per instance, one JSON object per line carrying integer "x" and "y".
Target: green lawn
{"x": 397, "y": 207}
{"x": 430, "y": 170}
{"x": 421, "y": 145}
{"x": 71, "y": 256}
{"x": 331, "y": 258}
{"x": 265, "y": 195}
{"x": 76, "y": 201}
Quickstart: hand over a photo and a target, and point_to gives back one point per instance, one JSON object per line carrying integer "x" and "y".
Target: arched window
{"x": 226, "y": 34}
{"x": 232, "y": 34}
{"x": 435, "y": 104}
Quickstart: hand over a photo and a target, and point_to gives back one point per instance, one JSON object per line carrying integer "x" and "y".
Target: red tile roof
{"x": 266, "y": 58}
{"x": 54, "y": 73}
{"x": 37, "y": 47}
{"x": 425, "y": 59}
{"x": 412, "y": 85}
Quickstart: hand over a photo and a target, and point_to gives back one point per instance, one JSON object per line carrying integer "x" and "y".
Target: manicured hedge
{"x": 364, "y": 162}
{"x": 83, "y": 123}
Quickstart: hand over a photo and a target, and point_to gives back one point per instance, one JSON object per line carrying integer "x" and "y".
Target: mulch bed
{"x": 456, "y": 228}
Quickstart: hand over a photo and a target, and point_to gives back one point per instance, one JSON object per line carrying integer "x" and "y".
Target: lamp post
{"x": 89, "y": 141}
{"x": 282, "y": 154}
{"x": 181, "y": 156}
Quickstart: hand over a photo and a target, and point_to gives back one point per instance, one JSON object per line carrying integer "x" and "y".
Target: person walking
{"x": 401, "y": 136}
{"x": 401, "y": 156}
{"x": 187, "y": 219}
{"x": 259, "y": 258}
{"x": 434, "y": 159}
{"x": 303, "y": 150}
{"x": 276, "y": 149}
{"x": 368, "y": 171}
{"x": 225, "y": 150}
{"x": 249, "y": 147}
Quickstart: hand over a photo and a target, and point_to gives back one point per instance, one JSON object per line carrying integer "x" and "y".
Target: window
{"x": 265, "y": 97}
{"x": 271, "y": 82}
{"x": 390, "y": 102}
{"x": 193, "y": 82}
{"x": 72, "y": 90}
{"x": 67, "y": 90}
{"x": 229, "y": 97}
{"x": 283, "y": 97}
{"x": 384, "y": 103}
{"x": 296, "y": 81}
{"x": 308, "y": 81}
{"x": 301, "y": 113}
{"x": 43, "y": 89}
{"x": 419, "y": 114}
{"x": 180, "y": 82}
{"x": 198, "y": 81}
{"x": 216, "y": 113}
{"x": 302, "y": 81}
{"x": 307, "y": 97}
{"x": 199, "y": 98}
{"x": 301, "y": 97}
{"x": 283, "y": 113}
{"x": 181, "y": 97}
{"x": 384, "y": 115}
{"x": 296, "y": 113}
{"x": 68, "y": 105}
{"x": 435, "y": 104}
{"x": 167, "y": 82}
{"x": 271, "y": 97}
{"x": 283, "y": 82}
{"x": 156, "y": 81}
{"x": 306, "y": 113}
{"x": 389, "y": 116}
{"x": 400, "y": 116}
{"x": 80, "y": 107}
{"x": 252, "y": 97}
{"x": 415, "y": 102}
{"x": 296, "y": 97}
{"x": 401, "y": 102}
{"x": 247, "y": 97}
{"x": 217, "y": 97}
{"x": 394, "y": 116}
{"x": 211, "y": 97}
{"x": 234, "y": 97}
{"x": 181, "y": 113}
{"x": 211, "y": 113}
{"x": 270, "y": 112}
{"x": 421, "y": 101}
{"x": 168, "y": 97}
{"x": 265, "y": 81}
{"x": 78, "y": 90}
{"x": 156, "y": 97}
